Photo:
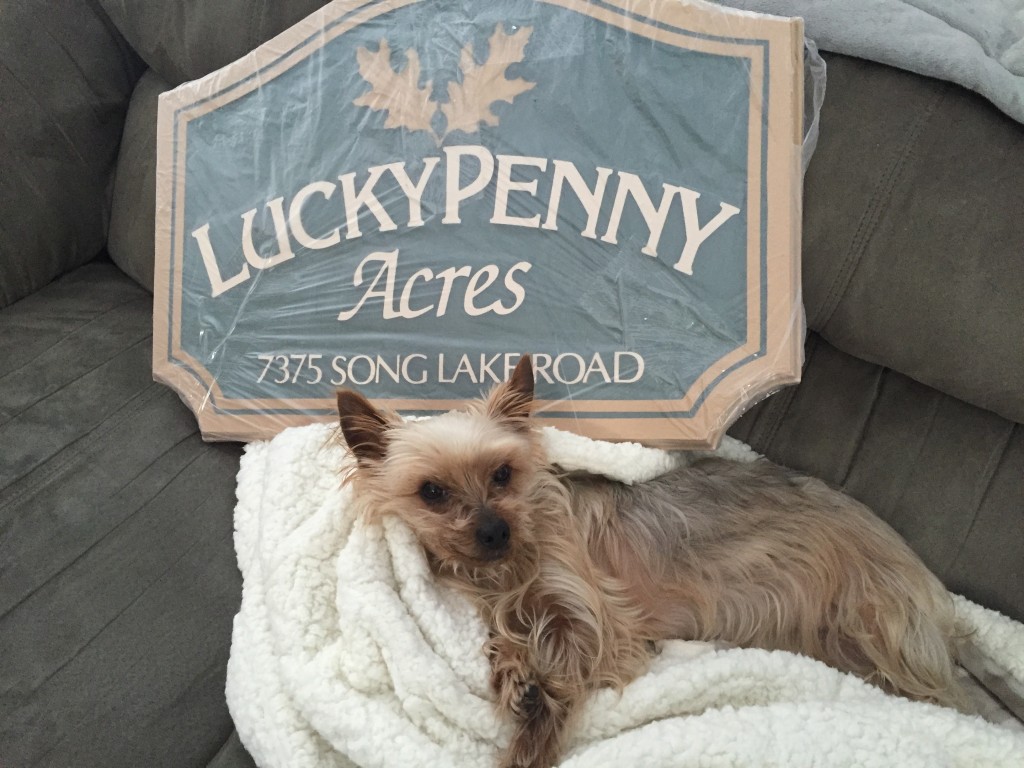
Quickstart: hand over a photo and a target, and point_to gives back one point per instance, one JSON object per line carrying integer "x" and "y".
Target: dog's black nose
{"x": 492, "y": 533}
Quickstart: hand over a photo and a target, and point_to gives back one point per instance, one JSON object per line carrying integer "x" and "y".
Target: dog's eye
{"x": 502, "y": 475}
{"x": 432, "y": 493}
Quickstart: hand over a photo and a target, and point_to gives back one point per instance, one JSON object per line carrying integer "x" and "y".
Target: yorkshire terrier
{"x": 578, "y": 577}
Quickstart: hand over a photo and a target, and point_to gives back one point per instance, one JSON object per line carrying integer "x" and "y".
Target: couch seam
{"x": 780, "y": 407}
{"x": 996, "y": 464}
{"x": 938, "y": 400}
{"x": 871, "y": 215}
{"x": 120, "y": 613}
{"x": 881, "y": 374}
{"x": 80, "y": 327}
{"x": 86, "y": 440}
{"x": 123, "y": 521}
{"x": 124, "y": 48}
{"x": 226, "y": 744}
{"x": 123, "y": 609}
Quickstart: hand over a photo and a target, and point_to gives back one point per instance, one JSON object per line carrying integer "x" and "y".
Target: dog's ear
{"x": 363, "y": 425}
{"x": 513, "y": 400}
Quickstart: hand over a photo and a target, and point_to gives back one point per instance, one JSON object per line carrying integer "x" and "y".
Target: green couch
{"x": 118, "y": 580}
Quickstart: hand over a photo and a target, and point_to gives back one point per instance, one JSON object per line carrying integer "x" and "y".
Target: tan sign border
{"x": 723, "y": 394}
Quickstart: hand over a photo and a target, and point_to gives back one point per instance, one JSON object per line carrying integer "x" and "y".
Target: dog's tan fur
{"x": 594, "y": 572}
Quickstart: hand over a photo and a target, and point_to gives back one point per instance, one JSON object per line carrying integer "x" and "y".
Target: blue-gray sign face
{"x": 404, "y": 197}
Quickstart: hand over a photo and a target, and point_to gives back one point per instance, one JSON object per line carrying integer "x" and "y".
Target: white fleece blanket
{"x": 978, "y": 44}
{"x": 346, "y": 652}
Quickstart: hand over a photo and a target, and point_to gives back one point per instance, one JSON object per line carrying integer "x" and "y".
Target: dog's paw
{"x": 512, "y": 678}
{"x": 518, "y": 693}
{"x": 526, "y": 699}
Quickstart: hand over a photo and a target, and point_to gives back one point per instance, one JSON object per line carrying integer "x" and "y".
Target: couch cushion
{"x": 913, "y": 233}
{"x": 116, "y": 554}
{"x": 186, "y": 39}
{"x": 946, "y": 475}
{"x": 131, "y": 240}
{"x": 65, "y": 78}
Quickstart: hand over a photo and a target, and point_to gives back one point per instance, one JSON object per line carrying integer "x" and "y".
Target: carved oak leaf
{"x": 469, "y": 102}
{"x": 398, "y": 93}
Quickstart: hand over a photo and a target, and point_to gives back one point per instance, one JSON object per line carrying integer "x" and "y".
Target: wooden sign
{"x": 403, "y": 197}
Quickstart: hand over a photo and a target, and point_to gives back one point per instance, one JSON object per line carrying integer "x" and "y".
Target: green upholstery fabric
{"x": 65, "y": 80}
{"x": 131, "y": 241}
{"x": 913, "y": 233}
{"x": 186, "y": 39}
{"x": 117, "y": 564}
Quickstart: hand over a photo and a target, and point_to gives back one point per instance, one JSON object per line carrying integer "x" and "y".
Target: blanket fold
{"x": 347, "y": 652}
{"x": 977, "y": 44}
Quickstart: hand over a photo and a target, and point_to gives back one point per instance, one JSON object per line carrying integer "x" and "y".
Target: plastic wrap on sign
{"x": 404, "y": 197}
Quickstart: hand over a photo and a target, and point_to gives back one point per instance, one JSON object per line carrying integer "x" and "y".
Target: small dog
{"x": 578, "y": 576}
